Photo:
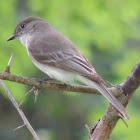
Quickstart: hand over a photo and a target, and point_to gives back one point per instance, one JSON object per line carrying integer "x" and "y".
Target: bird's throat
{"x": 24, "y": 39}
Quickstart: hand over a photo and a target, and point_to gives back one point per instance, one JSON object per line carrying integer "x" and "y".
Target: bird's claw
{"x": 42, "y": 80}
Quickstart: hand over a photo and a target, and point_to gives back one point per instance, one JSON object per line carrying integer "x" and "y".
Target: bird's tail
{"x": 111, "y": 98}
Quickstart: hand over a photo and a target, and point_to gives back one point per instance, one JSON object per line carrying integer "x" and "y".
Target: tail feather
{"x": 112, "y": 99}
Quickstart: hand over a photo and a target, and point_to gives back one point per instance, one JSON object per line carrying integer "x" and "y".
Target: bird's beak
{"x": 12, "y": 37}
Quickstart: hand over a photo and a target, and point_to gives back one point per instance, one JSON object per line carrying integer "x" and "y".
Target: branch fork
{"x": 18, "y": 106}
{"x": 103, "y": 128}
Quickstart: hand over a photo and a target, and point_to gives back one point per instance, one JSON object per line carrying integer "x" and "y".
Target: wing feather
{"x": 69, "y": 62}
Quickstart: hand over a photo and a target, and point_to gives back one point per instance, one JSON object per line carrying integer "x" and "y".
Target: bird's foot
{"x": 68, "y": 86}
{"x": 42, "y": 80}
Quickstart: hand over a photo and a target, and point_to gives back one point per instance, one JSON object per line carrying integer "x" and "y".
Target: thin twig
{"x": 9, "y": 64}
{"x": 29, "y": 92}
{"x": 20, "y": 103}
{"x": 36, "y": 93}
{"x": 26, "y": 122}
{"x": 19, "y": 127}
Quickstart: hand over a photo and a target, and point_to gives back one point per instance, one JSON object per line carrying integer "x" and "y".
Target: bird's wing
{"x": 72, "y": 62}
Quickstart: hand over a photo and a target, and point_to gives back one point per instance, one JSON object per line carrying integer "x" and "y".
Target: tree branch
{"x": 26, "y": 122}
{"x": 105, "y": 126}
{"x": 47, "y": 84}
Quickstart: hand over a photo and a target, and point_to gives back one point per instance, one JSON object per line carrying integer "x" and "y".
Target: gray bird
{"x": 57, "y": 56}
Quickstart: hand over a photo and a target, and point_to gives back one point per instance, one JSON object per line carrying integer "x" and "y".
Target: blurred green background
{"x": 106, "y": 32}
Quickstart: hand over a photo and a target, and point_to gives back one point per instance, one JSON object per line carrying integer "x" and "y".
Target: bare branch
{"x": 9, "y": 64}
{"x": 19, "y": 127}
{"x": 110, "y": 119}
{"x": 26, "y": 122}
{"x": 47, "y": 84}
{"x": 104, "y": 127}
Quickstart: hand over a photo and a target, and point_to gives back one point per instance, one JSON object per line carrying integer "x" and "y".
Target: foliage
{"x": 106, "y": 32}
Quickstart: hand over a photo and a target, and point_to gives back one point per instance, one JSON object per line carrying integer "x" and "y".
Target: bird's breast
{"x": 53, "y": 72}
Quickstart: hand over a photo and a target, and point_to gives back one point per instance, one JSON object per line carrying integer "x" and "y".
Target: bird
{"x": 57, "y": 56}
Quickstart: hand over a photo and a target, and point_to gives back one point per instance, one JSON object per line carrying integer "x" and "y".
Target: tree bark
{"x": 103, "y": 129}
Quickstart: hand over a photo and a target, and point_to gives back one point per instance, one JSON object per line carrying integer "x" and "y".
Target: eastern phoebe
{"x": 57, "y": 56}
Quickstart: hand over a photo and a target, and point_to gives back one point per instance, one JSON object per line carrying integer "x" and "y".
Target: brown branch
{"x": 33, "y": 82}
{"x": 26, "y": 122}
{"x": 106, "y": 125}
{"x": 17, "y": 106}
{"x": 47, "y": 84}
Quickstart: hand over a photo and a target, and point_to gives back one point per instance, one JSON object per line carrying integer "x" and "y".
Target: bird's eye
{"x": 22, "y": 25}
